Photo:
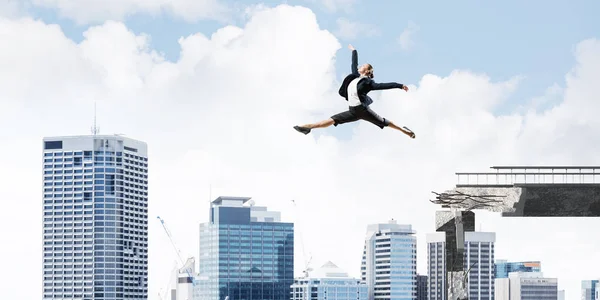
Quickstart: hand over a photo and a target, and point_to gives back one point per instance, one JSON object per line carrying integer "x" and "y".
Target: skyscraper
{"x": 329, "y": 283}
{"x": 503, "y": 267}
{"x": 389, "y": 261}
{"x": 588, "y": 289}
{"x": 95, "y": 218}
{"x": 246, "y": 252}
{"x": 478, "y": 259}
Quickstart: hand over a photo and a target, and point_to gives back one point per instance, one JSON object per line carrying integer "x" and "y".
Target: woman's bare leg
{"x": 321, "y": 124}
{"x": 407, "y": 132}
{"x": 308, "y": 127}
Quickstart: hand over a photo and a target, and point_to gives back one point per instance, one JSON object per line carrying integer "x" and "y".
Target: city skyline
{"x": 112, "y": 142}
{"x": 216, "y": 102}
{"x": 88, "y": 153}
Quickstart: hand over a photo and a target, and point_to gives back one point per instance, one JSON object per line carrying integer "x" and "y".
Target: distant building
{"x": 246, "y": 252}
{"x": 479, "y": 258}
{"x": 181, "y": 283}
{"x": 561, "y": 295}
{"x": 421, "y": 287}
{"x": 503, "y": 267}
{"x": 389, "y": 262}
{"x": 185, "y": 280}
{"x": 329, "y": 283}
{"x": 589, "y": 289}
{"x": 526, "y": 286}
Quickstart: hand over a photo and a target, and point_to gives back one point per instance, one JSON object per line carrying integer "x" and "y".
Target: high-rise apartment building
{"x": 389, "y": 261}
{"x": 478, "y": 259}
{"x": 95, "y": 218}
{"x": 421, "y": 287}
{"x": 503, "y": 267}
{"x": 589, "y": 289}
{"x": 329, "y": 283}
{"x": 526, "y": 286}
{"x": 246, "y": 252}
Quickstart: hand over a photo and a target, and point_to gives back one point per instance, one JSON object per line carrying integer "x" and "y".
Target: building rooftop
{"x": 520, "y": 175}
{"x": 220, "y": 199}
{"x": 329, "y": 270}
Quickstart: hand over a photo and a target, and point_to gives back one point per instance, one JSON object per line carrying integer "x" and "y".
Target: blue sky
{"x": 501, "y": 39}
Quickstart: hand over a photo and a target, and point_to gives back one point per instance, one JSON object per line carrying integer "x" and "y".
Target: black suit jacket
{"x": 365, "y": 85}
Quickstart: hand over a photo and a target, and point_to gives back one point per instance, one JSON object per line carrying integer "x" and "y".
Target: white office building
{"x": 479, "y": 257}
{"x": 389, "y": 262}
{"x": 95, "y": 218}
{"x": 329, "y": 283}
{"x": 185, "y": 280}
{"x": 561, "y": 295}
{"x": 181, "y": 282}
{"x": 526, "y": 286}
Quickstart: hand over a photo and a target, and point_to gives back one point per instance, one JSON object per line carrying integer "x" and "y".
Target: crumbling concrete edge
{"x": 510, "y": 200}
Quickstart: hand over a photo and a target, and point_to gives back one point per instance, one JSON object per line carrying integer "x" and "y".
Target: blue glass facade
{"x": 502, "y": 268}
{"x": 589, "y": 289}
{"x": 389, "y": 261}
{"x": 95, "y": 219}
{"x": 243, "y": 259}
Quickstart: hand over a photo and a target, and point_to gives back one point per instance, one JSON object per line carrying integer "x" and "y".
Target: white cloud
{"x": 552, "y": 96}
{"x": 406, "y": 38}
{"x": 97, "y": 11}
{"x": 223, "y": 115}
{"x": 349, "y": 30}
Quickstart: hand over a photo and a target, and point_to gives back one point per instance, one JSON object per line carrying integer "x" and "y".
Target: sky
{"x": 215, "y": 87}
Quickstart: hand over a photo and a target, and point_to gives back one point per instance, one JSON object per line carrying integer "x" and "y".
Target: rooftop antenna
{"x": 95, "y": 129}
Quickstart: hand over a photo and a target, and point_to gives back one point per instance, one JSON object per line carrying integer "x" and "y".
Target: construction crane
{"x": 307, "y": 268}
{"x": 190, "y": 275}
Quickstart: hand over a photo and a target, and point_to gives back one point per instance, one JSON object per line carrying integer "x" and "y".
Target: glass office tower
{"x": 246, "y": 252}
{"x": 95, "y": 218}
{"x": 588, "y": 289}
{"x": 389, "y": 261}
{"x": 503, "y": 267}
